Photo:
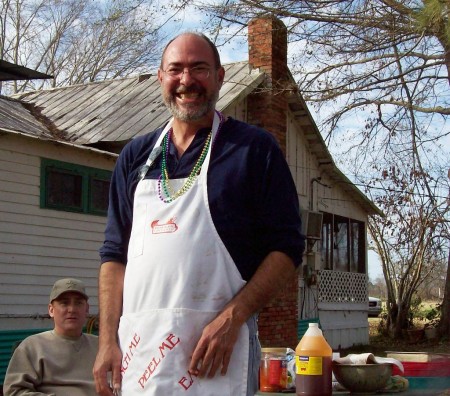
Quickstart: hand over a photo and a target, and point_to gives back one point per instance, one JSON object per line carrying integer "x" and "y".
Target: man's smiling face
{"x": 190, "y": 98}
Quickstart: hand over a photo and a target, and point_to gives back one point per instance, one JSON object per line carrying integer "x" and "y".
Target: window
{"x": 74, "y": 188}
{"x": 342, "y": 246}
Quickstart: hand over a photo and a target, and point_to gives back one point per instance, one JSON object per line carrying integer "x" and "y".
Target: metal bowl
{"x": 362, "y": 378}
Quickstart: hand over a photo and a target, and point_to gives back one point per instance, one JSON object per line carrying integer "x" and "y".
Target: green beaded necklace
{"x": 164, "y": 181}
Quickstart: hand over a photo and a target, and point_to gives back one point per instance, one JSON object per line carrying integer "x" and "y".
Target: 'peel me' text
{"x": 166, "y": 346}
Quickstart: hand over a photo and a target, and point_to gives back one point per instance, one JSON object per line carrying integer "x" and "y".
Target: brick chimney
{"x": 267, "y": 49}
{"x": 267, "y": 107}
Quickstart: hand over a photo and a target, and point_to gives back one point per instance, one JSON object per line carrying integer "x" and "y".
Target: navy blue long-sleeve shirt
{"x": 252, "y": 197}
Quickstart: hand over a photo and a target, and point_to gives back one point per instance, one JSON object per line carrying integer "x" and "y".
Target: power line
{"x": 391, "y": 190}
{"x": 398, "y": 191}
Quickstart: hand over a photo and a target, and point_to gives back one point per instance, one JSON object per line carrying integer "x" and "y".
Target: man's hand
{"x": 109, "y": 360}
{"x": 109, "y": 356}
{"x": 214, "y": 349}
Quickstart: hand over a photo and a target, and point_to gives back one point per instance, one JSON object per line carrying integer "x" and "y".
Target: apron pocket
{"x": 157, "y": 346}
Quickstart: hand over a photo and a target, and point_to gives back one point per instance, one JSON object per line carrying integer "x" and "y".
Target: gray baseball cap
{"x": 68, "y": 285}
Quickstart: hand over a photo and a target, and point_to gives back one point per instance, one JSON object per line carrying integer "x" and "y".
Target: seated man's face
{"x": 69, "y": 312}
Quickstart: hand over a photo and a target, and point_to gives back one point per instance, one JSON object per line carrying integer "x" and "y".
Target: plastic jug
{"x": 313, "y": 364}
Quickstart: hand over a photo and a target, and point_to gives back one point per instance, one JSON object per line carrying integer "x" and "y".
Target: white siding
{"x": 238, "y": 110}
{"x": 300, "y": 161}
{"x": 326, "y": 196}
{"x": 344, "y": 328}
{"x": 38, "y": 246}
{"x": 345, "y": 325}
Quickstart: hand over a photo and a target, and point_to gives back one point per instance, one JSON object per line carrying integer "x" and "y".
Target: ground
{"x": 379, "y": 344}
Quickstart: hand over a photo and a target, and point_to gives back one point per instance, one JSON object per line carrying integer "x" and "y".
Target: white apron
{"x": 178, "y": 277}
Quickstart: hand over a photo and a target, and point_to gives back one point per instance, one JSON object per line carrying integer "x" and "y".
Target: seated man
{"x": 57, "y": 362}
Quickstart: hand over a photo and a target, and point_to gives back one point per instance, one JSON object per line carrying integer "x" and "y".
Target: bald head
{"x": 214, "y": 51}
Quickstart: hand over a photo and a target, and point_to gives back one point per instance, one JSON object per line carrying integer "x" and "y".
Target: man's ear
{"x": 220, "y": 76}
{"x": 51, "y": 310}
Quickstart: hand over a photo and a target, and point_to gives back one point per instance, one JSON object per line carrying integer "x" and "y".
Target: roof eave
{"x": 59, "y": 142}
{"x": 318, "y": 147}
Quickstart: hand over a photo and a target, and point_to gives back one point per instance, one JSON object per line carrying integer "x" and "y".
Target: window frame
{"x": 352, "y": 243}
{"x": 88, "y": 176}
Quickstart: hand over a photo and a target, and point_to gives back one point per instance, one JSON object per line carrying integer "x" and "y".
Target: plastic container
{"x": 273, "y": 370}
{"x": 313, "y": 364}
{"x": 424, "y": 369}
{"x": 421, "y": 364}
{"x": 428, "y": 383}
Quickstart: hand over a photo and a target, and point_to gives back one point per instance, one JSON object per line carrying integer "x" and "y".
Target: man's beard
{"x": 192, "y": 112}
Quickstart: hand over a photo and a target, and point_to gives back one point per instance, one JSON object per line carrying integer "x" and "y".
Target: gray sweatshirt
{"x": 49, "y": 364}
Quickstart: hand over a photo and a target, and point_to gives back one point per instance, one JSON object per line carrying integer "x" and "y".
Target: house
{"x": 58, "y": 147}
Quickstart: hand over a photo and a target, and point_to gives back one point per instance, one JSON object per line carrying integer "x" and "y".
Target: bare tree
{"x": 433, "y": 287}
{"x": 348, "y": 52}
{"x": 377, "y": 74}
{"x": 377, "y": 287}
{"x": 410, "y": 239}
{"x": 78, "y": 41}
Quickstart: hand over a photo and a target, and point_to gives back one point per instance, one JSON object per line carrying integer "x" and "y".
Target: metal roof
{"x": 121, "y": 109}
{"x": 14, "y": 116}
{"x": 11, "y": 71}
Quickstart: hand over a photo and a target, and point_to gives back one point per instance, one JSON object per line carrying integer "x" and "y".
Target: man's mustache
{"x": 190, "y": 89}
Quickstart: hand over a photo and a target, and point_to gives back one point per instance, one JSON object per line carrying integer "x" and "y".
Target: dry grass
{"x": 379, "y": 344}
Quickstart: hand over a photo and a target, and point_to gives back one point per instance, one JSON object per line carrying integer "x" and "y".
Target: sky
{"x": 374, "y": 264}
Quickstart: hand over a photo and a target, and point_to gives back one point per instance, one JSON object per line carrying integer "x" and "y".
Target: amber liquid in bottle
{"x": 315, "y": 385}
{"x": 313, "y": 364}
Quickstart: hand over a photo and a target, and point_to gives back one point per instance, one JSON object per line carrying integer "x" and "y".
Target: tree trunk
{"x": 444, "y": 324}
{"x": 397, "y": 320}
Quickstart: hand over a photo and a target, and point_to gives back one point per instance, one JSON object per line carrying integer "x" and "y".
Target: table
{"x": 409, "y": 392}
{"x": 418, "y": 386}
